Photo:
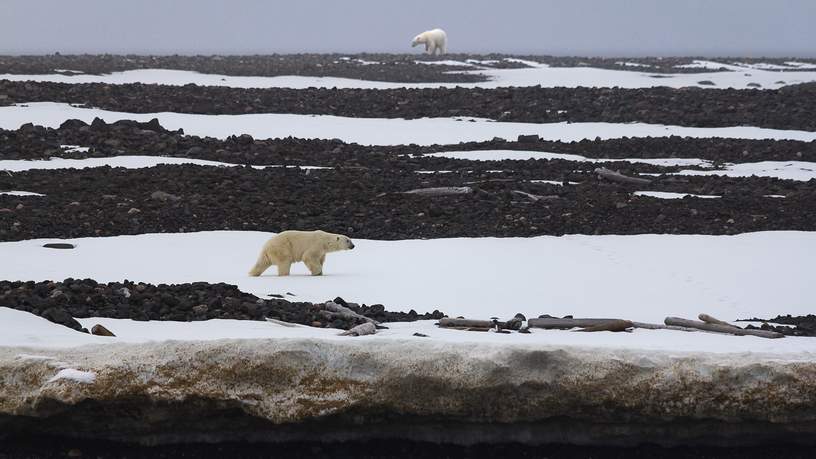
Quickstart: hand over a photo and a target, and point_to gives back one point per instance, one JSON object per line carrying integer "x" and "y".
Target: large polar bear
{"x": 290, "y": 247}
{"x": 435, "y": 41}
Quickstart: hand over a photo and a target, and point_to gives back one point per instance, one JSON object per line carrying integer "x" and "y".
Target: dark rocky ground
{"x": 786, "y": 108}
{"x": 61, "y": 302}
{"x": 802, "y": 325}
{"x": 391, "y": 67}
{"x": 53, "y": 448}
{"x": 367, "y": 203}
{"x": 150, "y": 138}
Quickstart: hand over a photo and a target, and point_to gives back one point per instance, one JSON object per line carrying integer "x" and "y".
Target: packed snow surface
{"x": 747, "y": 275}
{"x": 70, "y": 374}
{"x": 378, "y": 131}
{"x": 739, "y": 76}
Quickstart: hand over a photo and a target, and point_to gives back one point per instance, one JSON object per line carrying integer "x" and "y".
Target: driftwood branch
{"x": 441, "y": 191}
{"x": 716, "y": 328}
{"x": 332, "y": 310}
{"x": 535, "y": 197}
{"x": 618, "y": 177}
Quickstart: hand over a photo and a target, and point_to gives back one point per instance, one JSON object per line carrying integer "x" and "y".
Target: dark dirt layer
{"x": 59, "y": 448}
{"x": 61, "y": 302}
{"x": 150, "y": 138}
{"x": 786, "y": 108}
{"x": 391, "y": 67}
{"x": 803, "y": 325}
{"x": 367, "y": 202}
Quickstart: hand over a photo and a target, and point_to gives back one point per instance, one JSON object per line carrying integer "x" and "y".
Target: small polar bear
{"x": 290, "y": 247}
{"x": 435, "y": 41}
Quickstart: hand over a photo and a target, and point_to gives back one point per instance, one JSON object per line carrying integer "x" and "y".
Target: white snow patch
{"x": 499, "y": 155}
{"x": 801, "y": 65}
{"x": 445, "y": 62}
{"x": 669, "y": 195}
{"x": 786, "y": 170}
{"x": 125, "y": 161}
{"x": 747, "y": 275}
{"x": 378, "y": 131}
{"x": 632, "y": 64}
{"x": 554, "y": 182}
{"x": 82, "y": 377}
{"x": 18, "y": 193}
{"x": 774, "y": 196}
{"x": 74, "y": 148}
{"x": 532, "y": 64}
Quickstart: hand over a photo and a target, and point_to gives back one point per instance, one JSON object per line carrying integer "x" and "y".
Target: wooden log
{"x": 441, "y": 191}
{"x": 711, "y": 320}
{"x": 648, "y": 326}
{"x": 343, "y": 311}
{"x": 360, "y": 330}
{"x": 716, "y": 328}
{"x": 448, "y": 322}
{"x": 556, "y": 323}
{"x": 614, "y": 326}
{"x": 618, "y": 177}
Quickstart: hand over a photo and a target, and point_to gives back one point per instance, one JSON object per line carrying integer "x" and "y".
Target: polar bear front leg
{"x": 314, "y": 262}
{"x": 430, "y": 48}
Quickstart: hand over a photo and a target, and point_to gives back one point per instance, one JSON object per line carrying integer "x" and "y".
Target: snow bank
{"x": 483, "y": 392}
{"x": 499, "y": 155}
{"x": 378, "y": 131}
{"x": 768, "y": 76}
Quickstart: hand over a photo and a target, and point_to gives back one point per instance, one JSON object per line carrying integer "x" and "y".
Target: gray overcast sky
{"x": 750, "y": 28}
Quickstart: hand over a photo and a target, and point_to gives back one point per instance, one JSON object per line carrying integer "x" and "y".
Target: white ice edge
{"x": 670, "y": 195}
{"x": 378, "y": 131}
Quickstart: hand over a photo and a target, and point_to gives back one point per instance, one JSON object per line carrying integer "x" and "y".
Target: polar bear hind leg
{"x": 261, "y": 265}
{"x": 314, "y": 261}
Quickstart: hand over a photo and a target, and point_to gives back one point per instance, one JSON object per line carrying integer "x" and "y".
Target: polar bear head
{"x": 337, "y": 242}
{"x": 420, "y": 39}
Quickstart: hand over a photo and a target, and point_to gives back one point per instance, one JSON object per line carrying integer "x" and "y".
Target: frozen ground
{"x": 378, "y": 131}
{"x": 642, "y": 277}
{"x": 767, "y": 76}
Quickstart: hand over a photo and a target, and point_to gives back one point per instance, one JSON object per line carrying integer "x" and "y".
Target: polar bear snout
{"x": 351, "y": 245}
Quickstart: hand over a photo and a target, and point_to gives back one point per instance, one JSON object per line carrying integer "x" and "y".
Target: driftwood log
{"x": 564, "y": 324}
{"x": 716, "y": 328}
{"x": 618, "y": 177}
{"x": 367, "y": 328}
{"x": 334, "y": 310}
{"x": 711, "y": 320}
{"x": 614, "y": 326}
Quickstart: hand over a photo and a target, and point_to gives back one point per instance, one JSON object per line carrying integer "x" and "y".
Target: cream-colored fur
{"x": 289, "y": 247}
{"x": 435, "y": 41}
